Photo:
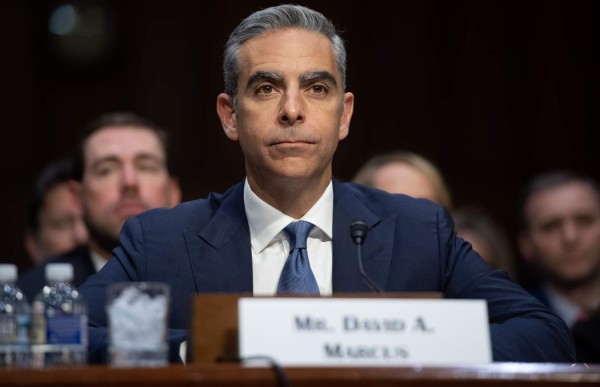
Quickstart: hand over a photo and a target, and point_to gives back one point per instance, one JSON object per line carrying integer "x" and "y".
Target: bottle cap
{"x": 8, "y": 272}
{"x": 59, "y": 272}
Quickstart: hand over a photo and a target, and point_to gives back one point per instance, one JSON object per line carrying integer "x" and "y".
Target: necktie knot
{"x": 296, "y": 276}
{"x": 297, "y": 233}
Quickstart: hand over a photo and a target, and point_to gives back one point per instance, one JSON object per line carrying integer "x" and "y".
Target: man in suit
{"x": 122, "y": 166}
{"x": 560, "y": 238}
{"x": 285, "y": 103}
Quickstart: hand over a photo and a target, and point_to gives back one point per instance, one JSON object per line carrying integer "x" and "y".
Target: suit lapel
{"x": 219, "y": 251}
{"x": 377, "y": 248}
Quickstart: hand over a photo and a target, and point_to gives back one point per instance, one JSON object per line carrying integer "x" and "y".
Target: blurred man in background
{"x": 55, "y": 221}
{"x": 560, "y": 237}
{"x": 122, "y": 165}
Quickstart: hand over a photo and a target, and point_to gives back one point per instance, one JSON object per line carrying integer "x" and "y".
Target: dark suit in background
{"x": 33, "y": 280}
{"x": 586, "y": 330}
{"x": 586, "y": 334}
{"x": 204, "y": 246}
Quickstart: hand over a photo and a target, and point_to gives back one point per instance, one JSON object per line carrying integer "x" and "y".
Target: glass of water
{"x": 138, "y": 323}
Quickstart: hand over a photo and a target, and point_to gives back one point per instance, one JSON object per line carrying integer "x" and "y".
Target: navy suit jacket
{"x": 204, "y": 246}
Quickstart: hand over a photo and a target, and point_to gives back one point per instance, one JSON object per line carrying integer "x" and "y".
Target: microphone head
{"x": 358, "y": 230}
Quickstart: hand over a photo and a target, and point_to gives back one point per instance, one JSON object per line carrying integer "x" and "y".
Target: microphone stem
{"x": 372, "y": 285}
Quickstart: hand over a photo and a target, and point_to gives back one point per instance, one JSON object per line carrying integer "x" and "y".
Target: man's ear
{"x": 226, "y": 112}
{"x": 346, "y": 115}
{"x": 526, "y": 246}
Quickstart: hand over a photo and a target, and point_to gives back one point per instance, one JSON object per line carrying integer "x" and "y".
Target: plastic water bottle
{"x": 59, "y": 325}
{"x": 15, "y": 317}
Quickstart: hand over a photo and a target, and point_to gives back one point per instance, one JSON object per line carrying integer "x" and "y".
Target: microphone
{"x": 358, "y": 232}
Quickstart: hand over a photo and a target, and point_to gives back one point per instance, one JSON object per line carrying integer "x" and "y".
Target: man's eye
{"x": 104, "y": 170}
{"x": 62, "y": 224}
{"x": 319, "y": 89}
{"x": 149, "y": 167}
{"x": 585, "y": 220}
{"x": 265, "y": 89}
{"x": 550, "y": 226}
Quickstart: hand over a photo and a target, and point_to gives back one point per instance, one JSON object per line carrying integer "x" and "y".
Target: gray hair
{"x": 277, "y": 18}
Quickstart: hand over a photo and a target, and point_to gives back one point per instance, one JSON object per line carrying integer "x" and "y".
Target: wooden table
{"x": 495, "y": 374}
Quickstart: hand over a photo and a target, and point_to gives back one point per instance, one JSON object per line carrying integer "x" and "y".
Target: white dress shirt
{"x": 270, "y": 246}
{"x": 98, "y": 260}
{"x": 563, "y": 307}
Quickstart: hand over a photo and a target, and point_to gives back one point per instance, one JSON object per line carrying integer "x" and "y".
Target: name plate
{"x": 364, "y": 331}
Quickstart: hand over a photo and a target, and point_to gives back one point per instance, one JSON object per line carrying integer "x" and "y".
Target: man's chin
{"x": 572, "y": 280}
{"x": 125, "y": 214}
{"x": 104, "y": 239}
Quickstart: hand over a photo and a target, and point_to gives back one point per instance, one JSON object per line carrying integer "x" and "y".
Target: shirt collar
{"x": 563, "y": 306}
{"x": 266, "y": 222}
{"x": 98, "y": 260}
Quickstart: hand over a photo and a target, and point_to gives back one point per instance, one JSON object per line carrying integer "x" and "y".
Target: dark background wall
{"x": 491, "y": 91}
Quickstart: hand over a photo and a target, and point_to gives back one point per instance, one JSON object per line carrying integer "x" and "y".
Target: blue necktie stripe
{"x": 297, "y": 276}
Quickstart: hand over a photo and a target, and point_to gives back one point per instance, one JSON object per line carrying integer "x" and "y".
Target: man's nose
{"x": 292, "y": 109}
{"x": 569, "y": 232}
{"x": 129, "y": 177}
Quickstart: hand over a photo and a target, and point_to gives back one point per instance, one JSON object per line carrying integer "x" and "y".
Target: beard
{"x": 102, "y": 238}
{"x": 569, "y": 283}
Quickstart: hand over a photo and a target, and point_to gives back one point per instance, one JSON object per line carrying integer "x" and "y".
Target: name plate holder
{"x": 337, "y": 332}
{"x": 215, "y": 318}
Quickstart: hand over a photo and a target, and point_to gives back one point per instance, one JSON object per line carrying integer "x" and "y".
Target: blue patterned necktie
{"x": 296, "y": 276}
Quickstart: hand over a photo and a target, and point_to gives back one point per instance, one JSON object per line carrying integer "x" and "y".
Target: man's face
{"x": 61, "y": 226}
{"x": 564, "y": 232}
{"x": 291, "y": 111}
{"x": 124, "y": 174}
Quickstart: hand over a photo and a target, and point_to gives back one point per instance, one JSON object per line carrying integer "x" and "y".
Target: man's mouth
{"x": 128, "y": 208}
